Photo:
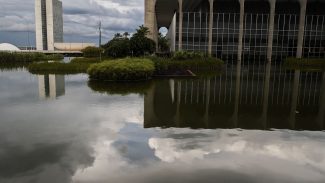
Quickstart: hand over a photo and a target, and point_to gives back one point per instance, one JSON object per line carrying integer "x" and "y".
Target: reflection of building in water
{"x": 51, "y": 86}
{"x": 244, "y": 97}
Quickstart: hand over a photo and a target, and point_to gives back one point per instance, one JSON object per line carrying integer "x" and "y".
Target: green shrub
{"x": 53, "y": 57}
{"x": 91, "y": 52}
{"x": 85, "y": 60}
{"x": 6, "y": 57}
{"x": 304, "y": 63}
{"x": 140, "y": 44}
{"x": 128, "y": 69}
{"x": 118, "y": 47}
{"x": 58, "y": 68}
{"x": 164, "y": 65}
{"x": 186, "y": 55}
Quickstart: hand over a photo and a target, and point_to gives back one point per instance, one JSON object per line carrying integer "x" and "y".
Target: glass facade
{"x": 226, "y": 29}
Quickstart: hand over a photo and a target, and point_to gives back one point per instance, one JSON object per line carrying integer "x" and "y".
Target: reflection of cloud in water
{"x": 250, "y": 148}
{"x": 38, "y": 145}
{"x": 89, "y": 137}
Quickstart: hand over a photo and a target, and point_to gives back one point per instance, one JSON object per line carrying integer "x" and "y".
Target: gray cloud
{"x": 81, "y": 19}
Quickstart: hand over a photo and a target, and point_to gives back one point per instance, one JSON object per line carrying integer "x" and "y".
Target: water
{"x": 249, "y": 124}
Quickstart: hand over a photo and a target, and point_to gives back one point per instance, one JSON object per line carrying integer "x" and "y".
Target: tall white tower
{"x": 49, "y": 23}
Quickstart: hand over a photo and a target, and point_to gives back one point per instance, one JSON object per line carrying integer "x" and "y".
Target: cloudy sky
{"x": 80, "y": 19}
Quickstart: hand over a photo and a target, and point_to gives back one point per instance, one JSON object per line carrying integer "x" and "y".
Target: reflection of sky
{"x": 85, "y": 136}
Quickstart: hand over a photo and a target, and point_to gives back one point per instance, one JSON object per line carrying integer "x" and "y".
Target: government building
{"x": 49, "y": 23}
{"x": 236, "y": 30}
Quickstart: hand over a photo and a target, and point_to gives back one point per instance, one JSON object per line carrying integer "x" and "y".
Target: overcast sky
{"x": 81, "y": 17}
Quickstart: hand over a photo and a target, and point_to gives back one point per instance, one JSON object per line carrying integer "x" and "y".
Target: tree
{"x": 126, "y": 34}
{"x": 163, "y": 43}
{"x": 118, "y": 47}
{"x": 91, "y": 51}
{"x": 140, "y": 44}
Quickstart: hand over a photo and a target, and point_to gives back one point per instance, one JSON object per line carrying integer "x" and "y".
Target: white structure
{"x": 49, "y": 24}
{"x": 72, "y": 46}
{"x": 8, "y": 47}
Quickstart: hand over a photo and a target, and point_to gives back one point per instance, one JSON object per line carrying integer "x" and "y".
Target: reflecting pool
{"x": 248, "y": 124}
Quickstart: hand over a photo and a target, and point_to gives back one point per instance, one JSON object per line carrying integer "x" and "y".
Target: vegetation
{"x": 12, "y": 66}
{"x": 91, "y": 52}
{"x": 118, "y": 47}
{"x": 138, "y": 45}
{"x": 85, "y": 60}
{"x": 186, "y": 61}
{"x": 6, "y": 57}
{"x": 163, "y": 43}
{"x": 304, "y": 63}
{"x": 58, "y": 68}
{"x": 128, "y": 69}
{"x": 124, "y": 88}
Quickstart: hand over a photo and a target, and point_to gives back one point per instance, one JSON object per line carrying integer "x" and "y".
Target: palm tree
{"x": 117, "y": 35}
{"x": 126, "y": 34}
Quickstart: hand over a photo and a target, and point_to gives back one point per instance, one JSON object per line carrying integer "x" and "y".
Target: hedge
{"x": 128, "y": 69}
{"x": 305, "y": 62}
{"x": 6, "y": 57}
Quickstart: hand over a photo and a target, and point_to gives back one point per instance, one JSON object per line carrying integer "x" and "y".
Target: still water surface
{"x": 249, "y": 124}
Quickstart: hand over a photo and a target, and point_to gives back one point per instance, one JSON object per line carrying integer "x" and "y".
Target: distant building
{"x": 8, "y": 47}
{"x": 49, "y": 23}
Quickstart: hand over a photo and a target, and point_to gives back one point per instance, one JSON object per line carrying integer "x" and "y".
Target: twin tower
{"x": 49, "y": 23}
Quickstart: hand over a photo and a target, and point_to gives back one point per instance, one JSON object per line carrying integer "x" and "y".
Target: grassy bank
{"x": 16, "y": 57}
{"x": 85, "y": 60}
{"x": 58, "y": 68}
{"x": 196, "y": 63}
{"x": 127, "y": 69}
{"x": 304, "y": 63}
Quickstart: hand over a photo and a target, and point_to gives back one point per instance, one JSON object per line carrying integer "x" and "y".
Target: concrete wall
{"x": 38, "y": 25}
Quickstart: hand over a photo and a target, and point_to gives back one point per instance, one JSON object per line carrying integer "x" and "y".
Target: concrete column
{"x": 303, "y": 6}
{"x": 180, "y": 25}
{"x": 241, "y": 30}
{"x": 271, "y": 31}
{"x": 210, "y": 28}
{"x": 150, "y": 19}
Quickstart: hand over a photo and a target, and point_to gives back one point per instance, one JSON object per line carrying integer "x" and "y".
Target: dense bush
{"x": 6, "y": 57}
{"x": 122, "y": 70}
{"x": 186, "y": 55}
{"x": 118, "y": 47}
{"x": 91, "y": 52}
{"x": 190, "y": 61}
{"x": 58, "y": 68}
{"x": 85, "y": 60}
{"x": 305, "y": 63}
{"x": 140, "y": 44}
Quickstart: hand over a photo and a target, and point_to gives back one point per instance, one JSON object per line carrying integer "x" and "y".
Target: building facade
{"x": 241, "y": 29}
{"x": 49, "y": 23}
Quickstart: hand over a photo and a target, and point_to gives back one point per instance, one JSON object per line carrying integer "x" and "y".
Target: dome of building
{"x": 8, "y": 47}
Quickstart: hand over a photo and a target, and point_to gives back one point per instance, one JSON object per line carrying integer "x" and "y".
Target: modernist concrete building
{"x": 49, "y": 23}
{"x": 241, "y": 29}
